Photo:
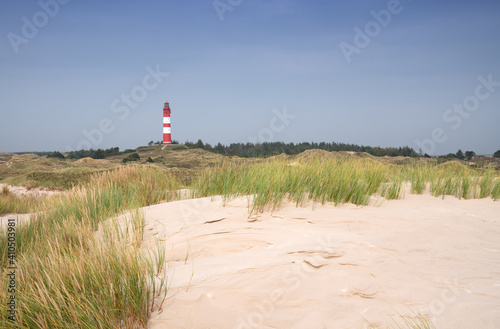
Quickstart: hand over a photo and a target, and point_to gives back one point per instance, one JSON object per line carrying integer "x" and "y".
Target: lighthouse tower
{"x": 167, "y": 137}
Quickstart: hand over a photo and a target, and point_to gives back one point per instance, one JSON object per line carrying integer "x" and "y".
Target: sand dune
{"x": 329, "y": 267}
{"x": 21, "y": 191}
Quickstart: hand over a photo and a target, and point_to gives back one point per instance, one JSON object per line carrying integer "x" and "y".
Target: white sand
{"x": 329, "y": 267}
{"x": 21, "y": 191}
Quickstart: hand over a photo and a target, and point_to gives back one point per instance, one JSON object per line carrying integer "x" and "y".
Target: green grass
{"x": 495, "y": 192}
{"x": 269, "y": 182}
{"x": 58, "y": 178}
{"x": 12, "y": 204}
{"x": 98, "y": 281}
{"x": 418, "y": 176}
{"x": 79, "y": 270}
{"x": 341, "y": 180}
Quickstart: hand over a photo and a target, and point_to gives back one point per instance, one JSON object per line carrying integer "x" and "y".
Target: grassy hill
{"x": 31, "y": 170}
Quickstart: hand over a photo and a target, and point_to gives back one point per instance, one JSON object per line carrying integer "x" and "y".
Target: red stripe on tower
{"x": 167, "y": 137}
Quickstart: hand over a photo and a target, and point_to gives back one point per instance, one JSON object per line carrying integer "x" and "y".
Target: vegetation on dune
{"x": 131, "y": 157}
{"x": 94, "y": 154}
{"x": 413, "y": 320}
{"x": 342, "y": 179}
{"x": 79, "y": 267}
{"x": 55, "y": 173}
{"x": 77, "y": 270}
{"x": 106, "y": 194}
{"x": 50, "y": 172}
{"x": 98, "y": 281}
{"x": 32, "y": 170}
{"x": 271, "y": 181}
{"x": 55, "y": 155}
{"x": 63, "y": 178}
{"x": 12, "y": 204}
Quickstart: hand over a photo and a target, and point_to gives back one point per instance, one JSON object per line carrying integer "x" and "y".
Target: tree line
{"x": 267, "y": 149}
{"x": 94, "y": 154}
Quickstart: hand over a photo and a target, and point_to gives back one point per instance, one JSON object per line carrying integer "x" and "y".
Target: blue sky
{"x": 242, "y": 70}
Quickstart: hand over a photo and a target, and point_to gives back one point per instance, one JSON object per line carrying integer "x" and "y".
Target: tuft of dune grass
{"x": 408, "y": 321}
{"x": 12, "y": 204}
{"x": 341, "y": 179}
{"x": 76, "y": 268}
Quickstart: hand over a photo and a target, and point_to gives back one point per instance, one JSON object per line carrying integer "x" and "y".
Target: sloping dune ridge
{"x": 329, "y": 267}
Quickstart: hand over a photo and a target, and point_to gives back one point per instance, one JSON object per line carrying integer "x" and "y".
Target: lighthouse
{"x": 167, "y": 137}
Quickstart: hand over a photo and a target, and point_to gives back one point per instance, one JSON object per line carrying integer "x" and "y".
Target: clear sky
{"x": 93, "y": 73}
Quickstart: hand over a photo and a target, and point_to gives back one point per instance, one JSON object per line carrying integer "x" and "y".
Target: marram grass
{"x": 102, "y": 282}
{"x": 12, "y": 204}
{"x": 77, "y": 267}
{"x": 341, "y": 180}
{"x": 87, "y": 205}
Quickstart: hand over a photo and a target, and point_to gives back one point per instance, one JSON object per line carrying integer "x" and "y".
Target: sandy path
{"x": 330, "y": 267}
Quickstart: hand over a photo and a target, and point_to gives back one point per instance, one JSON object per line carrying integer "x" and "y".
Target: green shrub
{"x": 131, "y": 157}
{"x": 55, "y": 155}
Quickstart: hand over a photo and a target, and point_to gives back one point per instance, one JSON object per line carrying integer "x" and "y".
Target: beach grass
{"x": 412, "y": 321}
{"x": 341, "y": 180}
{"x": 79, "y": 268}
{"x": 13, "y": 204}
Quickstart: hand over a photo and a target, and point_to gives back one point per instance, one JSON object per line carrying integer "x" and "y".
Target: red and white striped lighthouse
{"x": 167, "y": 137}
